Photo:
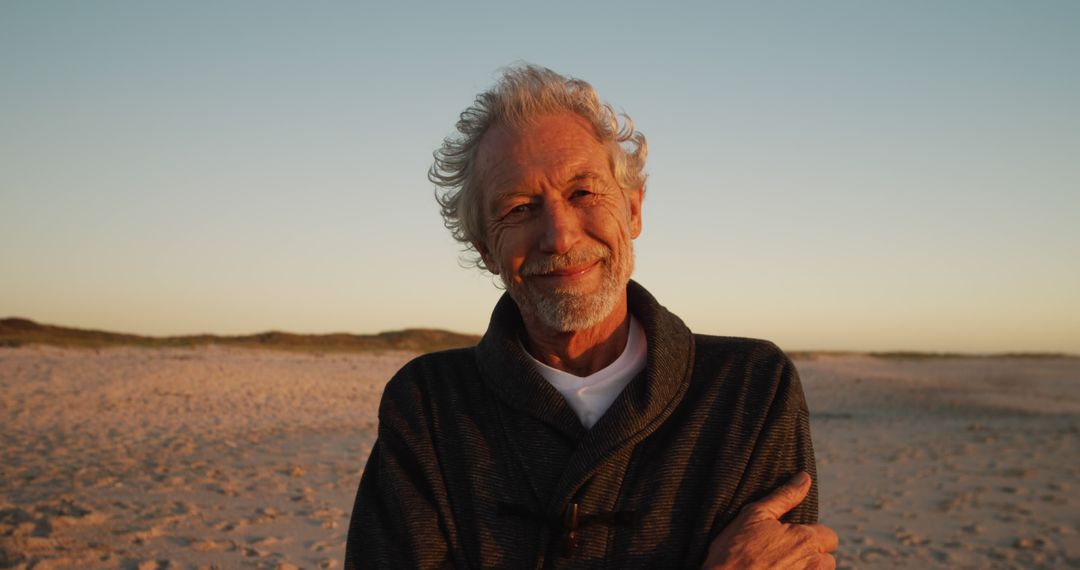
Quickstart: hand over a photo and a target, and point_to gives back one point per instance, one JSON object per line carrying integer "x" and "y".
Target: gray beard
{"x": 566, "y": 310}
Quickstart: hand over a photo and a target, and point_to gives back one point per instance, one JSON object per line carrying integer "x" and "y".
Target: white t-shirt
{"x": 591, "y": 396}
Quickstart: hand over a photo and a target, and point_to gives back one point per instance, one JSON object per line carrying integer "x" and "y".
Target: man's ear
{"x": 485, "y": 255}
{"x": 635, "y": 198}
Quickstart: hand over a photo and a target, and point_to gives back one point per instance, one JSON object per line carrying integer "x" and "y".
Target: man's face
{"x": 559, "y": 228}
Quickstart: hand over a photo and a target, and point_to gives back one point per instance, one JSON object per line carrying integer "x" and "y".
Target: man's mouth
{"x": 567, "y": 265}
{"x": 573, "y": 271}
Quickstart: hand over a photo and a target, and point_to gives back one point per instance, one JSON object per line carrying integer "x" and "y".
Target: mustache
{"x": 574, "y": 258}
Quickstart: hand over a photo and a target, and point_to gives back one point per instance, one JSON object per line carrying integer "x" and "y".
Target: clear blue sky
{"x": 828, "y": 175}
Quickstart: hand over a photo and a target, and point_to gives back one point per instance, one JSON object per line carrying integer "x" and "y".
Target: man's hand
{"x": 757, "y": 538}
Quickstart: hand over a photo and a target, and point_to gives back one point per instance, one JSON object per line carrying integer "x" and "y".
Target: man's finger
{"x": 824, "y": 536}
{"x": 785, "y": 497}
{"x": 826, "y": 562}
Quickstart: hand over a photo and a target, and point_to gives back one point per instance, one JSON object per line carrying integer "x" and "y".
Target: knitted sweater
{"x": 480, "y": 463}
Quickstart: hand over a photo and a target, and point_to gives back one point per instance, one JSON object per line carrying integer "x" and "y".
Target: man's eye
{"x": 519, "y": 209}
{"x": 580, "y": 193}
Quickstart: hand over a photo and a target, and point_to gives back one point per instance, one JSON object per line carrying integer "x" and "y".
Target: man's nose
{"x": 561, "y": 229}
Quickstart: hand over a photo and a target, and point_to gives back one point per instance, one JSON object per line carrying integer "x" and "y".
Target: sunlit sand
{"x": 213, "y": 457}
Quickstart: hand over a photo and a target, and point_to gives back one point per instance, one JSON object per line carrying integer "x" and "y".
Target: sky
{"x": 826, "y": 175}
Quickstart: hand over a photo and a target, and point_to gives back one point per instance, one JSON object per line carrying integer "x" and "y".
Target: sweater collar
{"x": 645, "y": 402}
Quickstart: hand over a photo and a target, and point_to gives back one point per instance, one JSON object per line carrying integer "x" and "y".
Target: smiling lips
{"x": 564, "y": 270}
{"x": 570, "y": 271}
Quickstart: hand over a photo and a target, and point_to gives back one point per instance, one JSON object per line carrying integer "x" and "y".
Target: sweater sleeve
{"x": 784, "y": 447}
{"x": 396, "y": 520}
{"x": 800, "y": 447}
{"x": 807, "y": 511}
{"x": 781, "y": 447}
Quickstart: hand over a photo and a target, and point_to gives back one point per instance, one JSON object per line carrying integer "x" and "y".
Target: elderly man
{"x": 589, "y": 428}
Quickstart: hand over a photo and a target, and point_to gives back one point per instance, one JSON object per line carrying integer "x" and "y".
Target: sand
{"x": 232, "y": 458}
{"x": 948, "y": 463}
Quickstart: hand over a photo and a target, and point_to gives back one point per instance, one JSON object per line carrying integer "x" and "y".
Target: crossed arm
{"x": 757, "y": 538}
{"x": 398, "y": 508}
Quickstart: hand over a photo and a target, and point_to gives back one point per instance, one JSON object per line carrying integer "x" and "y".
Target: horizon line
{"x": 12, "y": 327}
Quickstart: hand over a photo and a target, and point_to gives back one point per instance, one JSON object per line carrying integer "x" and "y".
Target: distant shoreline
{"x": 16, "y": 332}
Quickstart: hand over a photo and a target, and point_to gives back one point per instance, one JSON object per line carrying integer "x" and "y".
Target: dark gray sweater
{"x": 480, "y": 463}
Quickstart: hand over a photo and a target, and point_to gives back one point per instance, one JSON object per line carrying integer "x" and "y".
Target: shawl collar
{"x": 507, "y": 371}
{"x": 639, "y": 410}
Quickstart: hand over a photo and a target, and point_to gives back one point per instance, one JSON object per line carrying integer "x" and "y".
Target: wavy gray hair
{"x": 523, "y": 93}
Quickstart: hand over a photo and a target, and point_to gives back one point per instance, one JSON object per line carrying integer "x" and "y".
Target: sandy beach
{"x": 235, "y": 458}
{"x": 948, "y": 463}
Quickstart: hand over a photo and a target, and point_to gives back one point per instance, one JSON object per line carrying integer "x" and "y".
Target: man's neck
{"x": 582, "y": 352}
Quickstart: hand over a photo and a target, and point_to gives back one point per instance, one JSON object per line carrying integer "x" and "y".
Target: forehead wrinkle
{"x": 528, "y": 189}
{"x": 498, "y": 189}
{"x": 500, "y": 177}
{"x": 586, "y": 176}
{"x": 504, "y": 192}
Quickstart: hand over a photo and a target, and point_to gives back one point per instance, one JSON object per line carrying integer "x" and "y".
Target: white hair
{"x": 523, "y": 93}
